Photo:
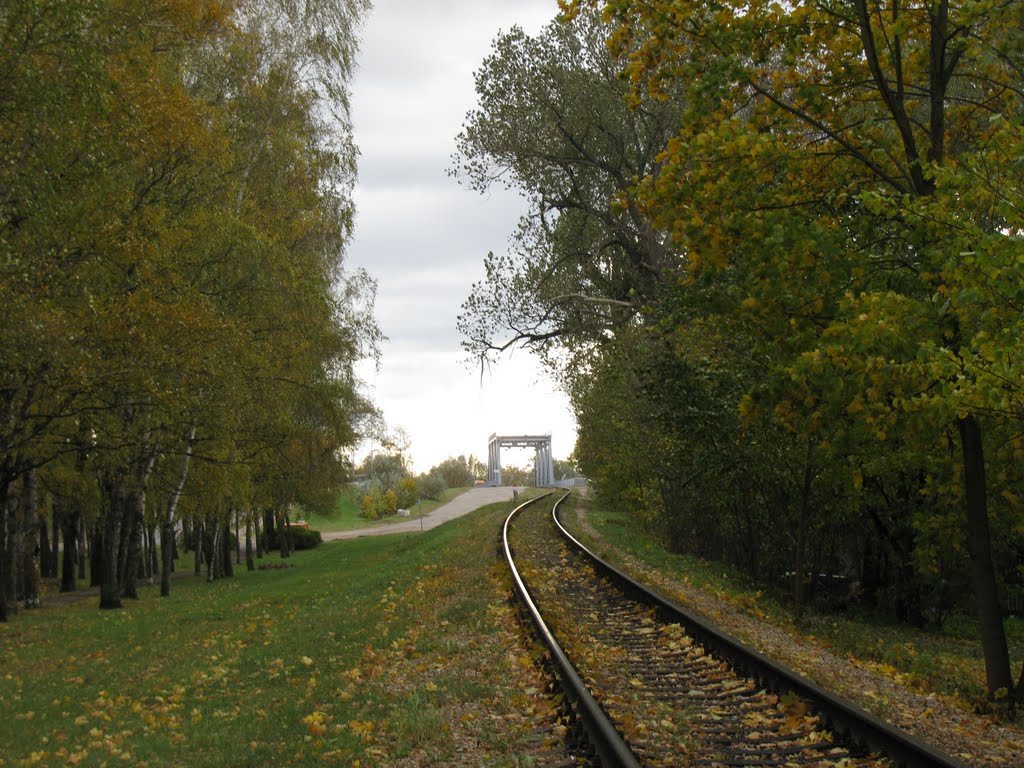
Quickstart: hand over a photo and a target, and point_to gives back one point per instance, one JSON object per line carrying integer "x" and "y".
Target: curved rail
{"x": 609, "y": 745}
{"x": 843, "y": 717}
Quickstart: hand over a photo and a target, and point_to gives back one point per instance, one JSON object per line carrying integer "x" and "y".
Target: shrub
{"x": 432, "y": 486}
{"x": 302, "y": 538}
{"x": 407, "y": 492}
{"x": 369, "y": 506}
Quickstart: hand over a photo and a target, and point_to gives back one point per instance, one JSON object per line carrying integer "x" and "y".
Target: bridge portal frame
{"x": 544, "y": 465}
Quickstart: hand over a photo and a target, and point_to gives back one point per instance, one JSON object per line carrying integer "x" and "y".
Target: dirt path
{"x": 461, "y": 505}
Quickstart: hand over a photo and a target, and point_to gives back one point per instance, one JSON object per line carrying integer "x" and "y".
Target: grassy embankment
{"x": 364, "y": 653}
{"x": 947, "y": 661}
{"x": 371, "y": 652}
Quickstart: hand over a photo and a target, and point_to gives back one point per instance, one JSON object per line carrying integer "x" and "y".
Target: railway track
{"x": 652, "y": 685}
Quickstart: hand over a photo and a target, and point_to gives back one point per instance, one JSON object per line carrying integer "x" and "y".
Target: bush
{"x": 370, "y": 506}
{"x": 407, "y": 492}
{"x": 432, "y": 486}
{"x": 302, "y": 538}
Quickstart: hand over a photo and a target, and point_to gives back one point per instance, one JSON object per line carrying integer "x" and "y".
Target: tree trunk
{"x": 257, "y": 535}
{"x": 143, "y": 570}
{"x": 96, "y": 555}
{"x": 167, "y": 542}
{"x": 131, "y": 550}
{"x": 250, "y": 565}
{"x": 69, "y": 532}
{"x": 166, "y": 556}
{"x": 136, "y": 515}
{"x": 46, "y": 557}
{"x": 111, "y": 544}
{"x": 16, "y": 549}
{"x": 5, "y": 564}
{"x": 83, "y": 544}
{"x": 126, "y": 530}
{"x": 151, "y": 561}
{"x": 51, "y": 541}
{"x": 269, "y": 525}
{"x": 197, "y": 534}
{"x": 55, "y": 540}
{"x": 803, "y": 522}
{"x": 238, "y": 537}
{"x": 228, "y": 569}
{"x": 213, "y": 562}
{"x": 284, "y": 534}
{"x": 979, "y": 542}
{"x": 30, "y": 526}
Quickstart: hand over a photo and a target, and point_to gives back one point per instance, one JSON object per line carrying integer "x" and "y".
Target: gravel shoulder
{"x": 976, "y": 739}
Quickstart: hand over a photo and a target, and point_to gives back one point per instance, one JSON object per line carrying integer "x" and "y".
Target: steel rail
{"x": 844, "y": 718}
{"x": 610, "y": 747}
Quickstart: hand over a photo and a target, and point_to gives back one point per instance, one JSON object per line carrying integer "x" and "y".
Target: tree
{"x": 838, "y": 158}
{"x": 388, "y": 485}
{"x": 431, "y": 485}
{"x": 459, "y": 471}
{"x": 566, "y": 468}
{"x": 511, "y": 475}
{"x": 173, "y": 219}
{"x": 387, "y": 469}
{"x": 553, "y": 121}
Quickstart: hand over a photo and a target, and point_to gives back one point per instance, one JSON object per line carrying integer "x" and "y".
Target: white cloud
{"x": 424, "y": 238}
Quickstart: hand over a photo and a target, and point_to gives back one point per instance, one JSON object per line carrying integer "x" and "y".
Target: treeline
{"x": 73, "y": 557}
{"x": 387, "y": 484}
{"x": 178, "y": 331}
{"x": 776, "y": 258}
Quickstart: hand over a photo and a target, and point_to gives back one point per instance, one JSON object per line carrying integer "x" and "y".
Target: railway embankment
{"x": 876, "y": 681}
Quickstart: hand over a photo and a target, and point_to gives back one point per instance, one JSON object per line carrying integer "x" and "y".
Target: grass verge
{"x": 381, "y": 651}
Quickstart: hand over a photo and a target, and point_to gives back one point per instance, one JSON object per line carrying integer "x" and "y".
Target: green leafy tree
{"x": 173, "y": 220}
{"x": 389, "y": 485}
{"x": 565, "y": 468}
{"x": 407, "y": 492}
{"x": 431, "y": 485}
{"x": 553, "y": 122}
{"x": 386, "y": 469}
{"x": 512, "y": 475}
{"x": 459, "y": 471}
{"x": 839, "y": 160}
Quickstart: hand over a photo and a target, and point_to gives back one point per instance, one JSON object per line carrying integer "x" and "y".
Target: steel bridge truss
{"x": 544, "y": 466}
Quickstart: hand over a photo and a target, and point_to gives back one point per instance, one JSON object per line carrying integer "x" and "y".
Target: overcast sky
{"x": 423, "y": 237}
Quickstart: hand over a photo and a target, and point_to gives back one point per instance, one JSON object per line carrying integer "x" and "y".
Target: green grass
{"x": 363, "y": 651}
{"x": 618, "y": 532}
{"x": 345, "y": 516}
{"x": 947, "y": 661}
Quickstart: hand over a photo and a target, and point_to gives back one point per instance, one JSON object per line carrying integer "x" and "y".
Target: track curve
{"x": 672, "y": 689}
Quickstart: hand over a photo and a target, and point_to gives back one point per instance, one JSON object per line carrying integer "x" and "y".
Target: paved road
{"x": 462, "y": 504}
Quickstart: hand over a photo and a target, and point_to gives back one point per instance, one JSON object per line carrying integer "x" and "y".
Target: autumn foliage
{"x": 179, "y": 330}
{"x": 783, "y": 288}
